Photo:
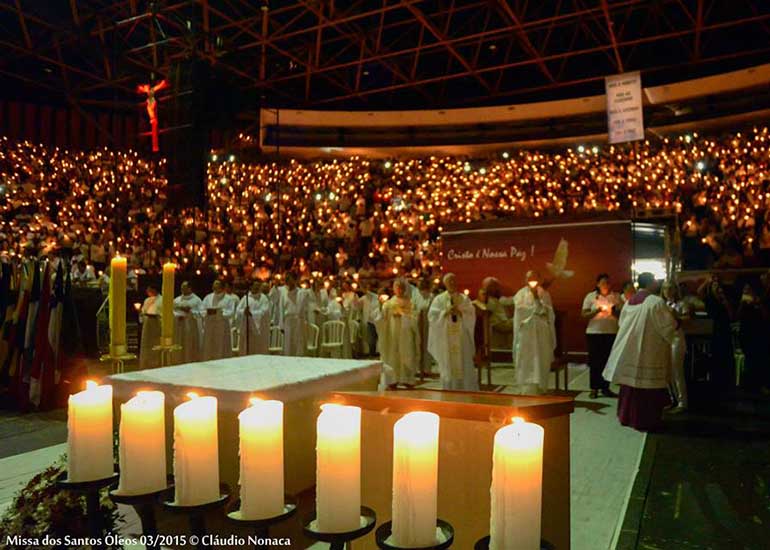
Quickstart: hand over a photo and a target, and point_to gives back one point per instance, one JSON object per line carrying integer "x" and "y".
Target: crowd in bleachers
{"x": 376, "y": 218}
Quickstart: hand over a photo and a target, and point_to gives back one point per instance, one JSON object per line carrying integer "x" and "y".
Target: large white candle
{"x": 261, "y": 451}
{"x": 167, "y": 305}
{"x": 118, "y": 282}
{"x": 415, "y": 480}
{"x": 517, "y": 477}
{"x": 142, "y": 451}
{"x": 89, "y": 434}
{"x": 338, "y": 468}
{"x": 196, "y": 451}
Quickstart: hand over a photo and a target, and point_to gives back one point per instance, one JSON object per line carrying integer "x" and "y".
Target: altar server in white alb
{"x": 399, "y": 335}
{"x": 292, "y": 309}
{"x": 534, "y": 336}
{"x": 149, "y": 316}
{"x": 187, "y": 332}
{"x": 253, "y": 319}
{"x": 217, "y": 310}
{"x": 451, "y": 320}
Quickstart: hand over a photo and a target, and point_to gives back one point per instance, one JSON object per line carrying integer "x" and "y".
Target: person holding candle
{"x": 149, "y": 317}
{"x": 452, "y": 319}
{"x": 640, "y": 360}
{"x": 216, "y": 324}
{"x": 399, "y": 336}
{"x": 600, "y": 307}
{"x": 253, "y": 319}
{"x": 534, "y": 335}
{"x": 187, "y": 332}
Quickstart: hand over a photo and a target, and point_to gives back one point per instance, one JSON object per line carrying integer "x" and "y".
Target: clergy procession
{"x": 430, "y": 330}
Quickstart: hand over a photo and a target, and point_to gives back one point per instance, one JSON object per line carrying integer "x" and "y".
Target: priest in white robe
{"x": 292, "y": 310}
{"x": 534, "y": 336}
{"x": 399, "y": 335}
{"x": 451, "y": 320}
{"x": 149, "y": 317}
{"x": 253, "y": 319}
{"x": 640, "y": 360}
{"x": 217, "y": 311}
{"x": 187, "y": 330}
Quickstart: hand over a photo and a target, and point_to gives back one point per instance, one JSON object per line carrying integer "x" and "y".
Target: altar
{"x": 300, "y": 382}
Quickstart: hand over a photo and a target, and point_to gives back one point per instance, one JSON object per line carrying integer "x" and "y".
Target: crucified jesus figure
{"x": 152, "y": 108}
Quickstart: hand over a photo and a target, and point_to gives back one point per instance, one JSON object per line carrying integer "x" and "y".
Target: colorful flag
{"x": 41, "y": 367}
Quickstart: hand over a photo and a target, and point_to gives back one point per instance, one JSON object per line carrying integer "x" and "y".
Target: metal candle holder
{"x": 386, "y": 529}
{"x": 91, "y": 490}
{"x": 262, "y": 527}
{"x": 483, "y": 544}
{"x": 144, "y": 505}
{"x": 118, "y": 361}
{"x": 165, "y": 352}
{"x": 337, "y": 541}
{"x": 196, "y": 513}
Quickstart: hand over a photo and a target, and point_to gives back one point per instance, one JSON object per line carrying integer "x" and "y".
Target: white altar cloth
{"x": 232, "y": 381}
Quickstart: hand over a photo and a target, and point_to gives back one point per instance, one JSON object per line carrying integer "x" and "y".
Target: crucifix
{"x": 152, "y": 108}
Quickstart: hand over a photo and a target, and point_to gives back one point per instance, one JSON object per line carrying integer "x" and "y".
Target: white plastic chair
{"x": 312, "y": 342}
{"x": 332, "y": 336}
{"x": 235, "y": 339}
{"x": 276, "y": 340}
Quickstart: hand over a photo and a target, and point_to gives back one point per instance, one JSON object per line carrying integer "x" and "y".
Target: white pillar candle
{"x": 89, "y": 434}
{"x": 338, "y": 468}
{"x": 415, "y": 480}
{"x": 517, "y": 485}
{"x": 261, "y": 453}
{"x": 167, "y": 305}
{"x": 117, "y": 295}
{"x": 196, "y": 451}
{"x": 142, "y": 451}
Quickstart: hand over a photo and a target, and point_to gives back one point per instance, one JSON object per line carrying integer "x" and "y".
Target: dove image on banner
{"x": 567, "y": 255}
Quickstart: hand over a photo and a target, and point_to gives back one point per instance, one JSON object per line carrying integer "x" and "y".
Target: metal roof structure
{"x": 370, "y": 54}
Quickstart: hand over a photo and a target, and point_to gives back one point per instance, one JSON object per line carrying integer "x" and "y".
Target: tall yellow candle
{"x": 142, "y": 451}
{"x": 167, "y": 305}
{"x": 338, "y": 468}
{"x": 89, "y": 433}
{"x": 415, "y": 480}
{"x": 196, "y": 451}
{"x": 118, "y": 280}
{"x": 517, "y": 486}
{"x": 261, "y": 454}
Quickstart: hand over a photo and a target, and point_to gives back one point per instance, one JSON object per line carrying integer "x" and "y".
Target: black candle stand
{"x": 91, "y": 490}
{"x": 483, "y": 544}
{"x": 196, "y": 514}
{"x": 386, "y": 529}
{"x": 262, "y": 527}
{"x": 144, "y": 505}
{"x": 337, "y": 541}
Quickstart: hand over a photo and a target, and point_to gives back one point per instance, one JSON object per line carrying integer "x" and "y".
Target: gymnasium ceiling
{"x": 370, "y": 54}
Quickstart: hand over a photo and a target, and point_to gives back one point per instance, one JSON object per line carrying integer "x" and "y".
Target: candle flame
{"x": 90, "y": 384}
{"x": 255, "y": 400}
{"x": 192, "y": 395}
{"x": 517, "y": 420}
